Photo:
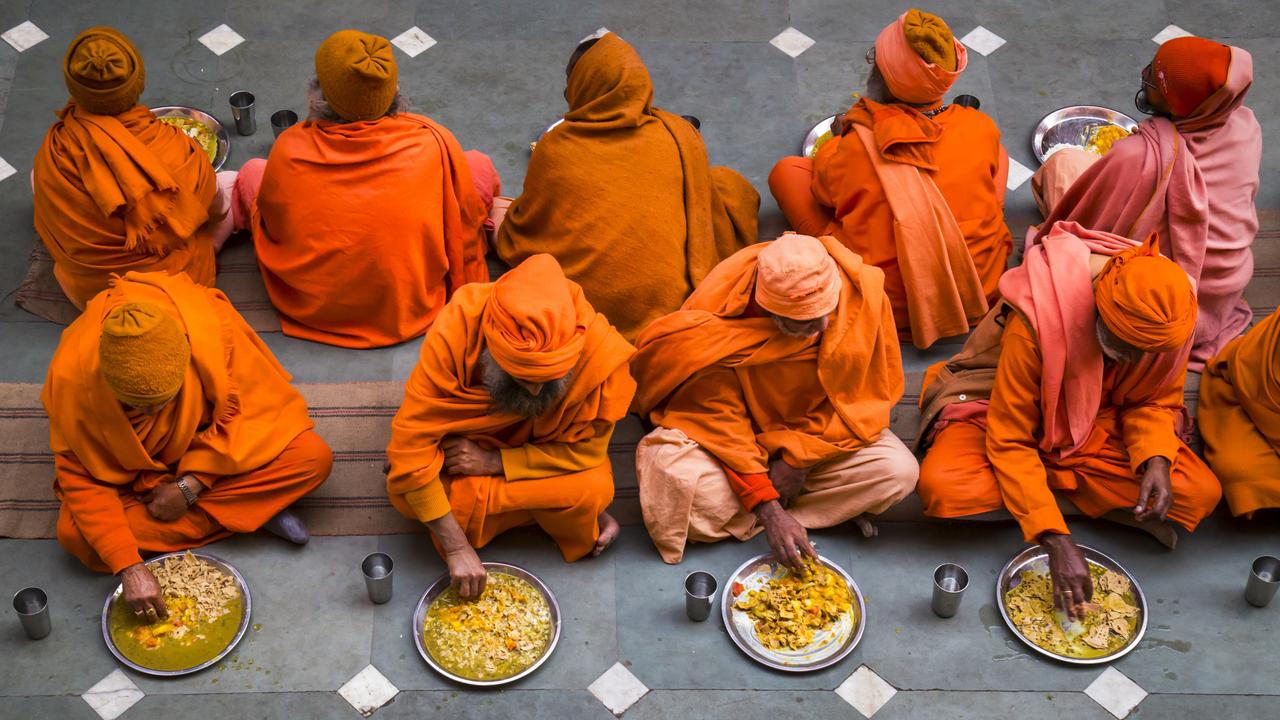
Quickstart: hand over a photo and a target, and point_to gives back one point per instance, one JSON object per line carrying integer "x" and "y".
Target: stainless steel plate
{"x": 828, "y": 648}
{"x": 217, "y": 562}
{"x": 442, "y": 583}
{"x": 550, "y": 127}
{"x": 811, "y": 139}
{"x": 1071, "y": 126}
{"x": 1035, "y": 558}
{"x": 224, "y": 139}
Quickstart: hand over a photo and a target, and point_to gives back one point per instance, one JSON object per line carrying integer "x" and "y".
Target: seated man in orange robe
{"x": 1086, "y": 401}
{"x": 771, "y": 389}
{"x": 507, "y": 417}
{"x": 367, "y": 217}
{"x": 914, "y": 186}
{"x": 1239, "y": 417}
{"x": 172, "y": 426}
{"x": 117, "y": 190}
{"x": 622, "y": 194}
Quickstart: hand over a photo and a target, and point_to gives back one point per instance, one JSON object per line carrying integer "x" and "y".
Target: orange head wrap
{"x": 919, "y": 58}
{"x": 357, "y": 72}
{"x": 1188, "y": 70}
{"x": 103, "y": 71}
{"x": 1146, "y": 299}
{"x": 531, "y": 325}
{"x": 797, "y": 278}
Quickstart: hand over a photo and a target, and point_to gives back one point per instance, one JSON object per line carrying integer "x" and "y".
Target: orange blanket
{"x": 364, "y": 229}
{"x": 120, "y": 193}
{"x": 235, "y": 413}
{"x": 622, "y": 194}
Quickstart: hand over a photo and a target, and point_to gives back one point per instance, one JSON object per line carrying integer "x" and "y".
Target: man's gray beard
{"x": 806, "y": 328}
{"x": 509, "y": 398}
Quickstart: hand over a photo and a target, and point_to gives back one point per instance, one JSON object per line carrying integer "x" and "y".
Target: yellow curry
{"x": 499, "y": 635}
{"x": 791, "y": 609}
{"x": 1109, "y": 621}
{"x": 197, "y": 131}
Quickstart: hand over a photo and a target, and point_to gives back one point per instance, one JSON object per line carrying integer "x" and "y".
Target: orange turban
{"x": 797, "y": 278}
{"x": 358, "y": 74}
{"x": 1146, "y": 299}
{"x": 103, "y": 71}
{"x": 919, "y": 58}
{"x": 1188, "y": 70}
{"x": 531, "y": 324}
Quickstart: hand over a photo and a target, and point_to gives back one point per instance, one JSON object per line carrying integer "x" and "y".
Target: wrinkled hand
{"x": 787, "y": 538}
{"x": 464, "y": 457}
{"x": 466, "y": 573}
{"x": 1072, "y": 586}
{"x": 142, "y": 592}
{"x": 787, "y": 480}
{"x": 166, "y": 502}
{"x": 1156, "y": 493}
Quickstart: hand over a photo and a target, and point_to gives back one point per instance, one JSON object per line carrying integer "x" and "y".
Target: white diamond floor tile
{"x": 1018, "y": 174}
{"x": 982, "y": 40}
{"x": 1115, "y": 692}
{"x": 618, "y": 689}
{"x": 6, "y": 170}
{"x": 413, "y": 41}
{"x": 1169, "y": 33}
{"x": 368, "y": 691}
{"x": 792, "y": 42}
{"x": 221, "y": 39}
{"x": 113, "y": 695}
{"x": 24, "y": 36}
{"x": 866, "y": 691}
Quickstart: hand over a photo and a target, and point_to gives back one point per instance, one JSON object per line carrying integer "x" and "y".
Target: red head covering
{"x": 531, "y": 324}
{"x": 1188, "y": 70}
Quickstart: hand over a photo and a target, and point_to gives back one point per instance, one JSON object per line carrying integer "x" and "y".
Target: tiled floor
{"x": 757, "y": 73}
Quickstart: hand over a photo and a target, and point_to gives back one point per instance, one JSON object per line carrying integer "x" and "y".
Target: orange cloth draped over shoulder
{"x": 363, "y": 229}
{"x": 235, "y": 415}
{"x": 535, "y": 323}
{"x": 1239, "y": 417}
{"x": 121, "y": 193}
{"x": 622, "y": 194}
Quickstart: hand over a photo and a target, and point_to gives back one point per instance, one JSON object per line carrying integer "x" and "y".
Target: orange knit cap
{"x": 797, "y": 278}
{"x": 103, "y": 71}
{"x": 919, "y": 58}
{"x": 1146, "y": 299}
{"x": 530, "y": 324}
{"x": 1188, "y": 70}
{"x": 357, "y": 73}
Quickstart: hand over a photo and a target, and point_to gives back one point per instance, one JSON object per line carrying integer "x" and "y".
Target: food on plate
{"x": 1108, "y": 624}
{"x": 1102, "y": 137}
{"x": 791, "y": 609}
{"x": 822, "y": 140}
{"x": 196, "y": 130}
{"x": 499, "y": 635}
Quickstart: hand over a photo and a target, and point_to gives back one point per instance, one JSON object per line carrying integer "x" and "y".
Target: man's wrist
{"x": 188, "y": 492}
{"x": 768, "y": 509}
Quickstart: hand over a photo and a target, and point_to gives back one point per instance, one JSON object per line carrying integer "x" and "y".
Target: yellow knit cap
{"x": 143, "y": 354}
{"x": 930, "y": 37}
{"x": 357, "y": 73}
{"x": 103, "y": 71}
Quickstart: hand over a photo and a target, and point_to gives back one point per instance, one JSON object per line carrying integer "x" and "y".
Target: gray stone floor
{"x": 495, "y": 78}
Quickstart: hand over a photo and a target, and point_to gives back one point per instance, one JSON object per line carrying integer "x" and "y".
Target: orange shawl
{"x": 622, "y": 194}
{"x": 363, "y": 229}
{"x": 445, "y": 395}
{"x": 857, "y": 361}
{"x": 1250, "y": 364}
{"x": 120, "y": 193}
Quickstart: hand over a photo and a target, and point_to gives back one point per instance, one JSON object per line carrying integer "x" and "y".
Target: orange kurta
{"x": 1239, "y": 417}
{"x": 974, "y": 467}
{"x": 363, "y": 229}
{"x": 840, "y": 193}
{"x": 622, "y": 194}
{"x": 121, "y": 193}
{"x": 556, "y": 465}
{"x": 233, "y": 418}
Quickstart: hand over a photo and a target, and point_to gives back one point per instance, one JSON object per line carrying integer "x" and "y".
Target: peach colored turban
{"x": 797, "y": 278}
{"x": 1146, "y": 299}
{"x": 911, "y": 58}
{"x": 531, "y": 322}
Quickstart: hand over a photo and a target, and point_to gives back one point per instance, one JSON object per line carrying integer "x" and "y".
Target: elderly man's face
{"x": 801, "y": 328}
{"x": 1114, "y": 348}
{"x": 514, "y": 396}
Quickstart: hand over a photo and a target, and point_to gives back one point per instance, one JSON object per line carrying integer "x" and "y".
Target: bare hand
{"x": 464, "y": 457}
{"x": 1156, "y": 494}
{"x": 166, "y": 502}
{"x": 142, "y": 592}
{"x": 1072, "y": 586}
{"x": 466, "y": 573}
{"x": 787, "y": 480}
{"x": 787, "y": 538}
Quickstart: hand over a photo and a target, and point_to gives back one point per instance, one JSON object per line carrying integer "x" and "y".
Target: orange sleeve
{"x": 1013, "y": 422}
{"x": 710, "y": 408}
{"x": 1150, "y": 426}
{"x": 751, "y": 488}
{"x": 531, "y": 462}
{"x": 428, "y": 501}
{"x": 98, "y": 513}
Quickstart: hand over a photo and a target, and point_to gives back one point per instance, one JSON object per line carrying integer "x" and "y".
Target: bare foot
{"x": 609, "y": 530}
{"x": 867, "y": 526}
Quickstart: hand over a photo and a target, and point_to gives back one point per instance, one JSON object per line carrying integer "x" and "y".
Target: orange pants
{"x": 957, "y": 480}
{"x": 1241, "y": 456}
{"x": 790, "y": 182}
{"x": 239, "y": 503}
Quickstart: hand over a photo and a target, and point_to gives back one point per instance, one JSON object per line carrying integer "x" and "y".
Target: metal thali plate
{"x": 811, "y": 139}
{"x": 1072, "y": 125}
{"x": 209, "y": 121}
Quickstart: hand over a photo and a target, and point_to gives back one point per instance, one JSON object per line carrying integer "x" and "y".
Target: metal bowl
{"x": 827, "y": 649}
{"x": 209, "y": 121}
{"x": 1071, "y": 126}
{"x": 441, "y": 584}
{"x": 1035, "y": 558}
{"x": 811, "y": 139}
{"x": 222, "y": 565}
{"x": 550, "y": 127}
